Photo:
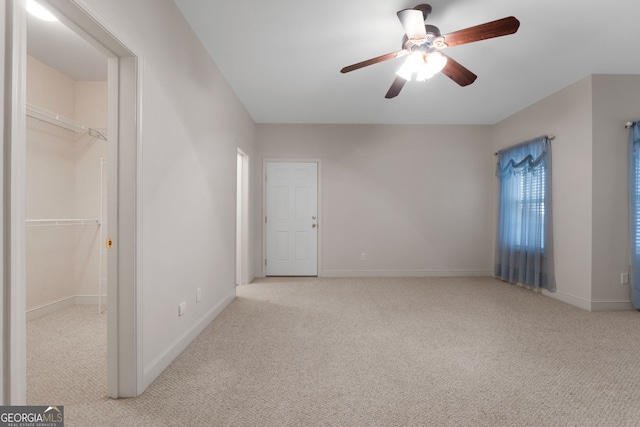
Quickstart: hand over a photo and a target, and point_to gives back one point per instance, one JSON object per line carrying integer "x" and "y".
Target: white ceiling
{"x": 283, "y": 57}
{"x": 59, "y": 47}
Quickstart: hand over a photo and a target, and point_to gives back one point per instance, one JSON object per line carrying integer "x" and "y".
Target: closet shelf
{"x": 54, "y": 222}
{"x": 63, "y": 122}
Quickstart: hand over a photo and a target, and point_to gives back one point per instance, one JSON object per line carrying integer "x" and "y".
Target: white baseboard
{"x": 405, "y": 273}
{"x": 50, "y": 307}
{"x": 590, "y": 305}
{"x": 164, "y": 359}
{"x": 53, "y": 306}
{"x": 611, "y": 306}
{"x": 582, "y": 303}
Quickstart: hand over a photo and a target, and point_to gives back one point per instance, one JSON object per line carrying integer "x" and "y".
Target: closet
{"x": 66, "y": 191}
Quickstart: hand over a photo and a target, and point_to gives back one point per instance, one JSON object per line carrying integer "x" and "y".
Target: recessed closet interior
{"x": 66, "y": 186}
{"x": 66, "y": 190}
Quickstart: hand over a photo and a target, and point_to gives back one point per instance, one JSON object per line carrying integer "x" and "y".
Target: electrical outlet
{"x": 182, "y": 307}
{"x": 198, "y": 294}
{"x": 624, "y": 278}
{"x": 363, "y": 256}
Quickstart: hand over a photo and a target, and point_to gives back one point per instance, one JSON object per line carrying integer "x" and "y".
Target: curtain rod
{"x": 549, "y": 137}
{"x": 629, "y": 124}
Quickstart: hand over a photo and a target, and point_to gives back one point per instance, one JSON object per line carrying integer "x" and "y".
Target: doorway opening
{"x": 124, "y": 378}
{"x": 66, "y": 218}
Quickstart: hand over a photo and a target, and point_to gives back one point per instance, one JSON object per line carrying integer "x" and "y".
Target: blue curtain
{"x": 634, "y": 210}
{"x": 524, "y": 243}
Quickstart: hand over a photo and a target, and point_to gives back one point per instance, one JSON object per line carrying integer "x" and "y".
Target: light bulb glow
{"x": 39, "y": 12}
{"x": 424, "y": 65}
{"x": 405, "y": 71}
{"x": 432, "y": 65}
{"x": 411, "y": 65}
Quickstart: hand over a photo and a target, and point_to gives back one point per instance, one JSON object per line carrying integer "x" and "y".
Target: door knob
{"x": 313, "y": 225}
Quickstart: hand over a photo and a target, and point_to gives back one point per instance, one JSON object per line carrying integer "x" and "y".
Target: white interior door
{"x": 292, "y": 219}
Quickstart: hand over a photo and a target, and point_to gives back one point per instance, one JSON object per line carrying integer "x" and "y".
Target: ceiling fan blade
{"x": 395, "y": 88}
{"x": 413, "y": 23}
{"x": 489, "y": 30}
{"x": 458, "y": 73}
{"x": 375, "y": 60}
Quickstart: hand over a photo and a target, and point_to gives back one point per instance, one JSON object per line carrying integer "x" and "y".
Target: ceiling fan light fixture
{"x": 424, "y": 65}
{"x": 433, "y": 63}
{"x": 411, "y": 65}
{"x": 39, "y": 11}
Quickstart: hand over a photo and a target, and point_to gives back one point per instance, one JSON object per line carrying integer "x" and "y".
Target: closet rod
{"x": 63, "y": 122}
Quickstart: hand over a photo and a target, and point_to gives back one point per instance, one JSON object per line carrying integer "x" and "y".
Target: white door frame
{"x": 264, "y": 206}
{"x": 124, "y": 360}
{"x": 242, "y": 219}
{"x": 13, "y": 295}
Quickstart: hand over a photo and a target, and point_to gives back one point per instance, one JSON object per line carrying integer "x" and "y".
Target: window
{"x": 530, "y": 200}
{"x": 523, "y": 240}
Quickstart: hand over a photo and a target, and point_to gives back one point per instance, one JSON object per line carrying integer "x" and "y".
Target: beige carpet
{"x": 66, "y": 356}
{"x": 391, "y": 352}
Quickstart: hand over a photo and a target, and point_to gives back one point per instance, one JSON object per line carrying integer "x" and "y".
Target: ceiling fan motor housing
{"x": 433, "y": 33}
{"x": 425, "y": 9}
{"x": 432, "y": 29}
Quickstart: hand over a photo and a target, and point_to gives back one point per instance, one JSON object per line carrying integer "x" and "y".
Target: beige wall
{"x": 591, "y": 231}
{"x": 91, "y": 110}
{"x": 63, "y": 182}
{"x": 567, "y": 114}
{"x": 50, "y": 180}
{"x": 616, "y": 100}
{"x": 413, "y": 198}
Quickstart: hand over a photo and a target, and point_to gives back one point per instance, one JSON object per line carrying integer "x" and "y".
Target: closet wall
{"x": 63, "y": 179}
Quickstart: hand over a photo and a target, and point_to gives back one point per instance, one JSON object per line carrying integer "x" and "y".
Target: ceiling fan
{"x": 422, "y": 44}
